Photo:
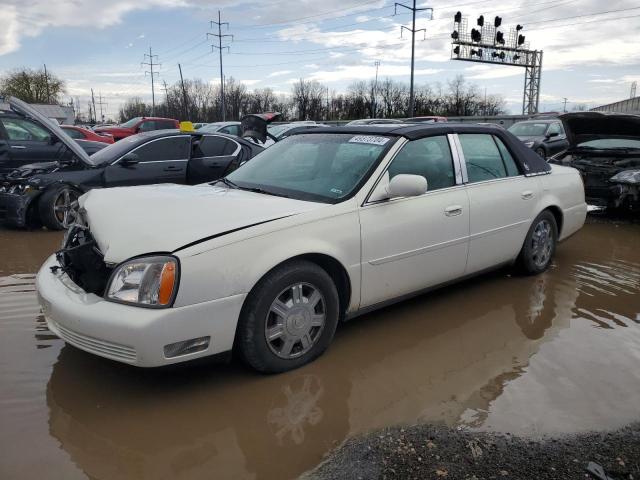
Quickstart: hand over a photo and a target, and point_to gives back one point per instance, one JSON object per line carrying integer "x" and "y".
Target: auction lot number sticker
{"x": 369, "y": 139}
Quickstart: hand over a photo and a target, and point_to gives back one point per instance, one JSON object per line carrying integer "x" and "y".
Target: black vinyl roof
{"x": 529, "y": 162}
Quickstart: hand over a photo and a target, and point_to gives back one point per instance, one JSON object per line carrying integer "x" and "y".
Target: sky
{"x": 591, "y": 47}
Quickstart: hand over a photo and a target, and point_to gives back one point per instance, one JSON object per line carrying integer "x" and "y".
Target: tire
{"x": 541, "y": 151}
{"x": 535, "y": 257}
{"x": 58, "y": 207}
{"x": 297, "y": 337}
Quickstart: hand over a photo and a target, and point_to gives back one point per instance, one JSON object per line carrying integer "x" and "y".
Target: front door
{"x": 409, "y": 244}
{"x": 501, "y": 198}
{"x": 162, "y": 160}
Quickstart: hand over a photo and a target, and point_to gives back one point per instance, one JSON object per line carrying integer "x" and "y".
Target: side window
{"x": 482, "y": 157}
{"x": 73, "y": 133}
{"x": 165, "y": 149}
{"x": 147, "y": 126}
{"x": 554, "y": 128}
{"x": 164, "y": 125}
{"x": 429, "y": 157}
{"x": 509, "y": 162}
{"x": 214, "y": 146}
{"x": 22, "y": 129}
{"x": 231, "y": 130}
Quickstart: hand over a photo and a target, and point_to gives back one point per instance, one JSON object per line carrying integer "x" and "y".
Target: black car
{"x": 90, "y": 146}
{"x": 605, "y": 148}
{"x": 46, "y": 192}
{"x": 546, "y": 137}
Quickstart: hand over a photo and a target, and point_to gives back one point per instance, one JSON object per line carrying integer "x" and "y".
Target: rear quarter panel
{"x": 564, "y": 189}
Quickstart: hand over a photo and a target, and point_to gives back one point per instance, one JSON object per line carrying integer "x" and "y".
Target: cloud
{"x": 279, "y": 73}
{"x": 366, "y": 72}
{"x": 249, "y": 83}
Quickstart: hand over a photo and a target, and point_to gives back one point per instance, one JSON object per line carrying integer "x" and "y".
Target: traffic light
{"x": 455, "y": 35}
{"x": 516, "y": 57}
{"x": 477, "y": 52}
{"x": 500, "y": 38}
{"x": 497, "y": 21}
{"x": 481, "y": 21}
{"x": 520, "y": 39}
{"x": 457, "y": 17}
{"x": 519, "y": 27}
{"x": 476, "y": 36}
{"x": 457, "y": 50}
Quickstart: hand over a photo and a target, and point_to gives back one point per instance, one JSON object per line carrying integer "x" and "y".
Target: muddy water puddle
{"x": 538, "y": 355}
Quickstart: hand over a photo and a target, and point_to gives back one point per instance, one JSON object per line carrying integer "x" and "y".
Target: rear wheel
{"x": 539, "y": 245}
{"x": 58, "y": 207}
{"x": 289, "y": 318}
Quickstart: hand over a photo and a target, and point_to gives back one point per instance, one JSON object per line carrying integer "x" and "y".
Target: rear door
{"x": 213, "y": 156}
{"x": 501, "y": 200}
{"x": 162, "y": 160}
{"x": 30, "y": 143}
{"x": 558, "y": 142}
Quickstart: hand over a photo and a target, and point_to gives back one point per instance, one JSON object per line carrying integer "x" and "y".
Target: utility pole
{"x": 93, "y": 101}
{"x": 564, "y": 106}
{"x": 100, "y": 102}
{"x": 413, "y": 43}
{"x": 375, "y": 91}
{"x": 46, "y": 81}
{"x": 152, "y": 74}
{"x": 184, "y": 95}
{"x": 634, "y": 86}
{"x": 220, "y": 36}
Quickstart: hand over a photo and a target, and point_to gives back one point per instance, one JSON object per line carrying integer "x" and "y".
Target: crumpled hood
{"x": 582, "y": 127}
{"x": 130, "y": 221}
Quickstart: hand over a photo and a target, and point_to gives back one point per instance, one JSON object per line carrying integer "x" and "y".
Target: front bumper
{"x": 130, "y": 334}
{"x": 14, "y": 208}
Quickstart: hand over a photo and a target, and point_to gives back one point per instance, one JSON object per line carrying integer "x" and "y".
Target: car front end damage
{"x": 17, "y": 196}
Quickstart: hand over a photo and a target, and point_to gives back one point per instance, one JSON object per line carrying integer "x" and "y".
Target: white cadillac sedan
{"x": 317, "y": 229}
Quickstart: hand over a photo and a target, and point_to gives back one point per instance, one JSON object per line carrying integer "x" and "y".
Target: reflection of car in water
{"x": 445, "y": 361}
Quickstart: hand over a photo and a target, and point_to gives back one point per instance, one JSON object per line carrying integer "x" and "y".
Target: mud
{"x": 549, "y": 355}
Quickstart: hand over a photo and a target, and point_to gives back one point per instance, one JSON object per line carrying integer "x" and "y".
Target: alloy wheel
{"x": 65, "y": 208}
{"x": 542, "y": 243}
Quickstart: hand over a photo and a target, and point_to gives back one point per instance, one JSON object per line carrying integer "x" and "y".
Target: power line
{"x": 152, "y": 74}
{"x": 220, "y": 36}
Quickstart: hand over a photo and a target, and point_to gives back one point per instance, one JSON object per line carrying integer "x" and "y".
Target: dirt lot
{"x": 537, "y": 357}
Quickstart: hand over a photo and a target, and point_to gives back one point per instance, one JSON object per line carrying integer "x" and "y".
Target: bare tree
{"x": 33, "y": 86}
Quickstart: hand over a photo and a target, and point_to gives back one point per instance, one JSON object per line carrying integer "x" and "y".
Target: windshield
{"x": 212, "y": 127}
{"x": 611, "y": 143}
{"x": 315, "y": 167}
{"x": 529, "y": 129}
{"x": 131, "y": 123}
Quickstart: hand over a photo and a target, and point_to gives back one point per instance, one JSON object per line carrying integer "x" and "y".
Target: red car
{"x": 138, "y": 125}
{"x": 79, "y": 133}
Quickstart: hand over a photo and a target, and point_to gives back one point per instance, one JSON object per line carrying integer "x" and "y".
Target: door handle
{"x": 453, "y": 210}
{"x": 18, "y": 147}
{"x": 527, "y": 195}
{"x": 172, "y": 169}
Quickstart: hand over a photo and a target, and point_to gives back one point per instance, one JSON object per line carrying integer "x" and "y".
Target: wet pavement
{"x": 552, "y": 354}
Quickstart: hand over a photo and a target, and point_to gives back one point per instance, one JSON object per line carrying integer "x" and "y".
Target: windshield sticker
{"x": 369, "y": 139}
{"x": 336, "y": 191}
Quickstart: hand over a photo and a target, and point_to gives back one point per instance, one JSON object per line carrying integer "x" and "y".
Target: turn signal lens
{"x": 167, "y": 281}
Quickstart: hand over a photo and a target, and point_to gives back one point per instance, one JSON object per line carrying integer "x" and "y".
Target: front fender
{"x": 235, "y": 268}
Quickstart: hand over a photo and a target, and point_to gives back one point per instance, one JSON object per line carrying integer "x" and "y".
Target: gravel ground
{"x": 430, "y": 451}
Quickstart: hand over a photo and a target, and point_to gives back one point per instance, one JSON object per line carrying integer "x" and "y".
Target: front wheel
{"x": 58, "y": 207}
{"x": 540, "y": 151}
{"x": 539, "y": 245}
{"x": 289, "y": 318}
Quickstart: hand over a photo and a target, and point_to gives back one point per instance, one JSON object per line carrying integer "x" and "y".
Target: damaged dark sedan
{"x": 46, "y": 193}
{"x": 605, "y": 149}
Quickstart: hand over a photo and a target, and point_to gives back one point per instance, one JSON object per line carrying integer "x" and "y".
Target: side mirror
{"x": 129, "y": 159}
{"x": 402, "y": 185}
{"x": 552, "y": 134}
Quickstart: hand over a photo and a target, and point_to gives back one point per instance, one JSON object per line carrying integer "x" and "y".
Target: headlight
{"x": 149, "y": 282}
{"x": 528, "y": 144}
{"x": 627, "y": 176}
{"x": 18, "y": 189}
